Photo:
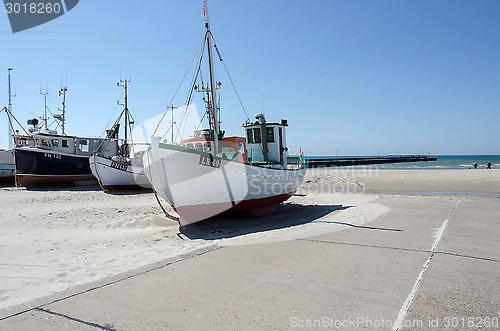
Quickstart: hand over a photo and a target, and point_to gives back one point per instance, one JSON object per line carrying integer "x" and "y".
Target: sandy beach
{"x": 76, "y": 252}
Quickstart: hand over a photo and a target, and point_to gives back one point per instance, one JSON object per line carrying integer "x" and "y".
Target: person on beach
{"x": 475, "y": 165}
{"x": 489, "y": 165}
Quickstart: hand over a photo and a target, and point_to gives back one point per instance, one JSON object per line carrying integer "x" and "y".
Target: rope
{"x": 12, "y": 116}
{"x": 156, "y": 194}
{"x": 164, "y": 211}
{"x": 190, "y": 96}
{"x": 230, "y": 79}
{"x": 114, "y": 110}
{"x": 114, "y": 125}
{"x": 97, "y": 174}
{"x": 165, "y": 113}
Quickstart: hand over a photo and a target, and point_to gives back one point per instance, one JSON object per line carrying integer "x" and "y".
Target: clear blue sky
{"x": 361, "y": 76}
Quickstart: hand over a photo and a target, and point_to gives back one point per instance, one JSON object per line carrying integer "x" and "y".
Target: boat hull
{"x": 200, "y": 187}
{"x": 115, "y": 176}
{"x": 44, "y": 168}
{"x": 7, "y": 168}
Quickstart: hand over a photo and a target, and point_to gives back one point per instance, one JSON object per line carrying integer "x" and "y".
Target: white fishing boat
{"x": 124, "y": 170}
{"x": 7, "y": 160}
{"x": 209, "y": 174}
{"x": 7, "y": 168}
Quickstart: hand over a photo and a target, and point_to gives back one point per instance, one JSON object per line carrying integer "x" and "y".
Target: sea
{"x": 443, "y": 162}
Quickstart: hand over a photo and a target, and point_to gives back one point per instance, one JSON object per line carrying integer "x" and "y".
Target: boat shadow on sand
{"x": 62, "y": 188}
{"x": 78, "y": 188}
{"x": 287, "y": 216}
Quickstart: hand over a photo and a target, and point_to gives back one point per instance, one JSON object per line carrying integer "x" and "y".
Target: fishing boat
{"x": 58, "y": 159}
{"x": 124, "y": 170}
{"x": 209, "y": 174}
{"x": 7, "y": 168}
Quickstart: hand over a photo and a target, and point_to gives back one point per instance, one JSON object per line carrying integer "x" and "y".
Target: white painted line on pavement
{"x": 406, "y": 305}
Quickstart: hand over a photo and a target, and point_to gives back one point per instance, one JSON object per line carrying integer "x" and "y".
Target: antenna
{"x": 45, "y": 107}
{"x": 62, "y": 92}
{"x": 9, "y": 115}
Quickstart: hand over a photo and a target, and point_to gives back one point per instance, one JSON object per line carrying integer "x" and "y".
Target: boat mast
{"x": 125, "y": 144}
{"x": 213, "y": 104}
{"x": 172, "y": 123}
{"x": 9, "y": 115}
{"x": 45, "y": 108}
{"x": 63, "y": 93}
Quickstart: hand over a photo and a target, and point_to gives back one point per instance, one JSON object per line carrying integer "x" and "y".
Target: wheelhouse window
{"x": 256, "y": 135}
{"x": 45, "y": 143}
{"x": 199, "y": 146}
{"x": 250, "y": 136}
{"x": 55, "y": 142}
{"x": 83, "y": 145}
{"x": 270, "y": 135}
{"x": 64, "y": 143}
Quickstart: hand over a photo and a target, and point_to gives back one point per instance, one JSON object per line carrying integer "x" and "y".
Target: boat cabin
{"x": 266, "y": 142}
{"x": 74, "y": 145}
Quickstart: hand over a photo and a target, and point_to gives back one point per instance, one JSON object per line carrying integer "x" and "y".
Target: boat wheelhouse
{"x": 267, "y": 142}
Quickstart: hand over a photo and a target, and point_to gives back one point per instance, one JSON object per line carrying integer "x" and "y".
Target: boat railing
{"x": 295, "y": 160}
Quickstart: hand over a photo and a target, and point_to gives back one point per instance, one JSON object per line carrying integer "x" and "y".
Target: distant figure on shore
{"x": 475, "y": 165}
{"x": 489, "y": 165}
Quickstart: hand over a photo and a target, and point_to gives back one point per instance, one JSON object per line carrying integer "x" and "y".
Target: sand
{"x": 53, "y": 240}
{"x": 372, "y": 180}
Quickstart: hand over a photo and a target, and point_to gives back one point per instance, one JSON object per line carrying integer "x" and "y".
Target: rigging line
{"x": 18, "y": 107}
{"x": 191, "y": 92}
{"x": 190, "y": 95}
{"x": 21, "y": 88}
{"x": 114, "y": 125}
{"x": 13, "y": 117}
{"x": 204, "y": 114}
{"x": 190, "y": 98}
{"x": 165, "y": 113}
{"x": 57, "y": 126}
{"x": 131, "y": 117}
{"x": 183, "y": 122}
{"x": 50, "y": 111}
{"x": 230, "y": 79}
{"x": 130, "y": 125}
{"x": 114, "y": 110}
